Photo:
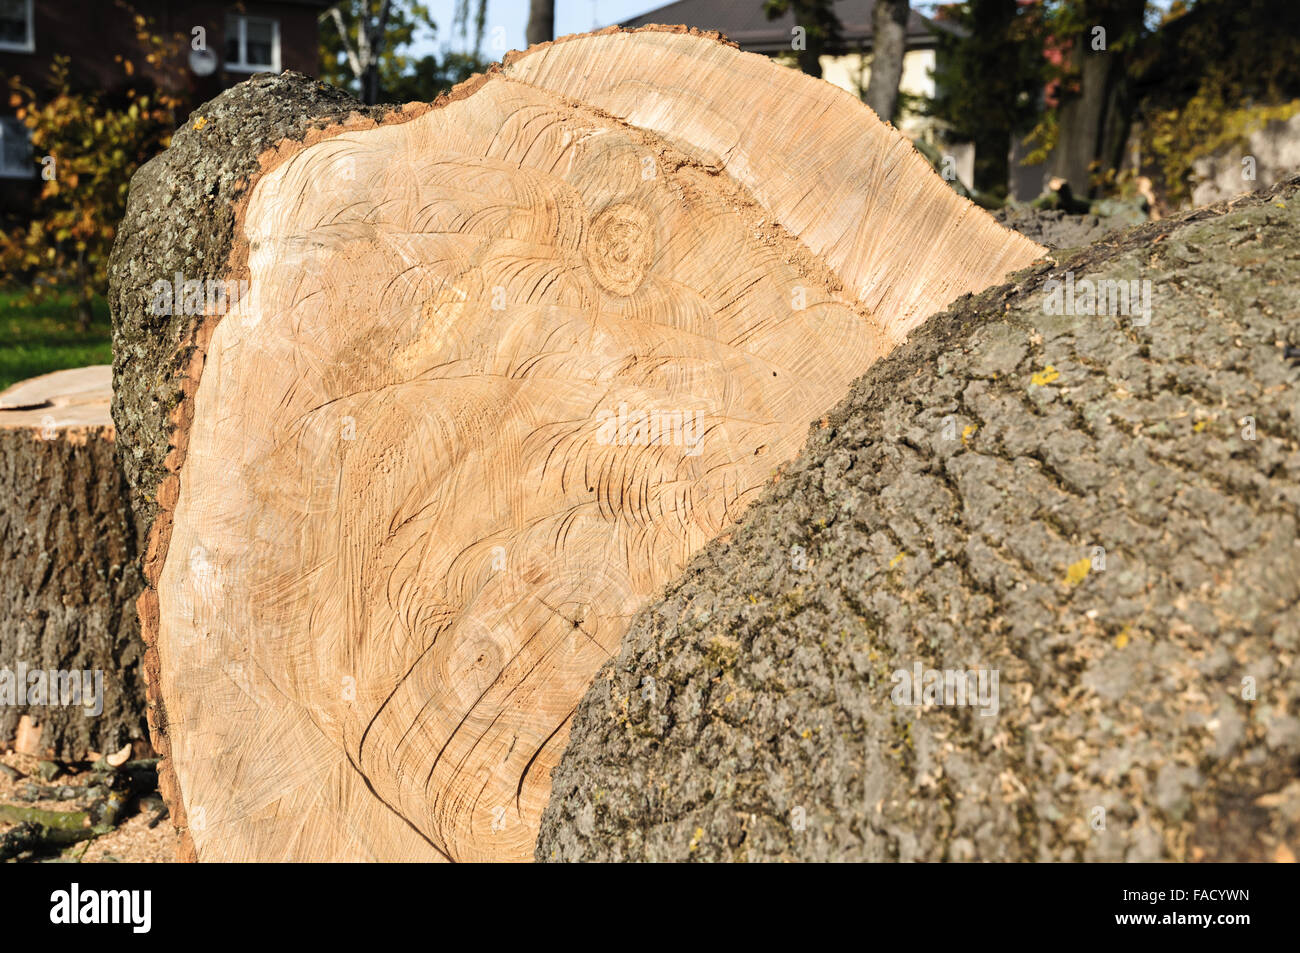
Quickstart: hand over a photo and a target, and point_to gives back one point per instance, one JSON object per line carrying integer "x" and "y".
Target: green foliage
{"x": 1067, "y": 33}
{"x": 94, "y": 144}
{"x": 817, "y": 17}
{"x": 988, "y": 82}
{"x": 402, "y": 76}
{"x": 430, "y": 76}
{"x": 1216, "y": 70}
{"x": 36, "y": 338}
{"x": 820, "y": 24}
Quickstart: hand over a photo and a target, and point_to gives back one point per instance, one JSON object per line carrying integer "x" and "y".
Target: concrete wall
{"x": 1269, "y": 154}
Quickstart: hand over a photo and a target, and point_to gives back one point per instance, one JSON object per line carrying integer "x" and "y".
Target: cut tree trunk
{"x": 503, "y": 364}
{"x": 1101, "y": 509}
{"x": 70, "y": 572}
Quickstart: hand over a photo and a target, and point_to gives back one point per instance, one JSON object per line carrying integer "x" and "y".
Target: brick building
{"x": 239, "y": 39}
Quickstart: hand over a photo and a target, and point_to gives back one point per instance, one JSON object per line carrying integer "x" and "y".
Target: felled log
{"x": 69, "y": 571}
{"x": 116, "y": 789}
{"x": 1100, "y": 506}
{"x": 501, "y": 364}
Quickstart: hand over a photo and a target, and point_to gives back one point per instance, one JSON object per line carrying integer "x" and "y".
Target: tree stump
{"x": 501, "y": 364}
{"x": 1101, "y": 507}
{"x": 70, "y": 573}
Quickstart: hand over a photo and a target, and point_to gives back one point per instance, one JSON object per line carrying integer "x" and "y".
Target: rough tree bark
{"x": 407, "y": 492}
{"x": 1105, "y": 511}
{"x": 70, "y": 573}
{"x": 889, "y": 45}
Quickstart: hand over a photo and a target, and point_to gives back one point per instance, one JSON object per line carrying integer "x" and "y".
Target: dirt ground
{"x": 133, "y": 841}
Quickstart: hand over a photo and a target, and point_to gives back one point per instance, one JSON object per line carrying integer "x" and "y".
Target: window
{"x": 17, "y": 29}
{"x": 252, "y": 44}
{"x": 15, "y": 150}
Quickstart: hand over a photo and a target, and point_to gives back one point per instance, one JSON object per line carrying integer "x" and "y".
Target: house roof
{"x": 745, "y": 23}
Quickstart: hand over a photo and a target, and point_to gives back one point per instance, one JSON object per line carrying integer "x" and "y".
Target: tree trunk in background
{"x": 541, "y": 21}
{"x": 889, "y": 44}
{"x": 69, "y": 572}
{"x": 1093, "y": 121}
{"x": 1101, "y": 510}
{"x": 810, "y": 57}
{"x": 818, "y": 29}
{"x": 992, "y": 24}
{"x": 399, "y": 530}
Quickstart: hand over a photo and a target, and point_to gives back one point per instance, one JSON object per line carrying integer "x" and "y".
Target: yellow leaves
{"x": 129, "y": 67}
{"x": 1077, "y": 572}
{"x": 967, "y": 432}
{"x": 98, "y": 146}
{"x": 1122, "y": 639}
{"x": 1044, "y": 377}
{"x": 200, "y": 122}
{"x": 1200, "y": 425}
{"x": 894, "y": 563}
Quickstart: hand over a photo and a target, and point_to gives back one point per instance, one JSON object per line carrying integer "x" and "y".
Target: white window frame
{"x": 6, "y": 172}
{"x": 239, "y": 22}
{"x": 30, "y": 45}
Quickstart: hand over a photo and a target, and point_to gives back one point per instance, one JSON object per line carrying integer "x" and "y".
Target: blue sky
{"x": 511, "y": 16}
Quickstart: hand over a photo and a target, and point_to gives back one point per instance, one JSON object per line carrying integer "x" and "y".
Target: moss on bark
{"x": 180, "y": 220}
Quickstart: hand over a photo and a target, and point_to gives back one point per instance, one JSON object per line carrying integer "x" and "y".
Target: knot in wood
{"x": 620, "y": 247}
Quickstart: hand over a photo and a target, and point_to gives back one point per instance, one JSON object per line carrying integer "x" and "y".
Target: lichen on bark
{"x": 950, "y": 512}
{"x": 180, "y": 220}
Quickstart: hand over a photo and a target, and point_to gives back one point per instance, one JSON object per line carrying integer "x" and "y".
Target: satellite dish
{"x": 203, "y": 62}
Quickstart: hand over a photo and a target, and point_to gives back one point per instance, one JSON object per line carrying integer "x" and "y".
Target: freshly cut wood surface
{"x": 503, "y": 366}
{"x": 62, "y": 402}
{"x": 852, "y": 188}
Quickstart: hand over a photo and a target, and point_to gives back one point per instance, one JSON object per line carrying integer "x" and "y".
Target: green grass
{"x": 37, "y": 339}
